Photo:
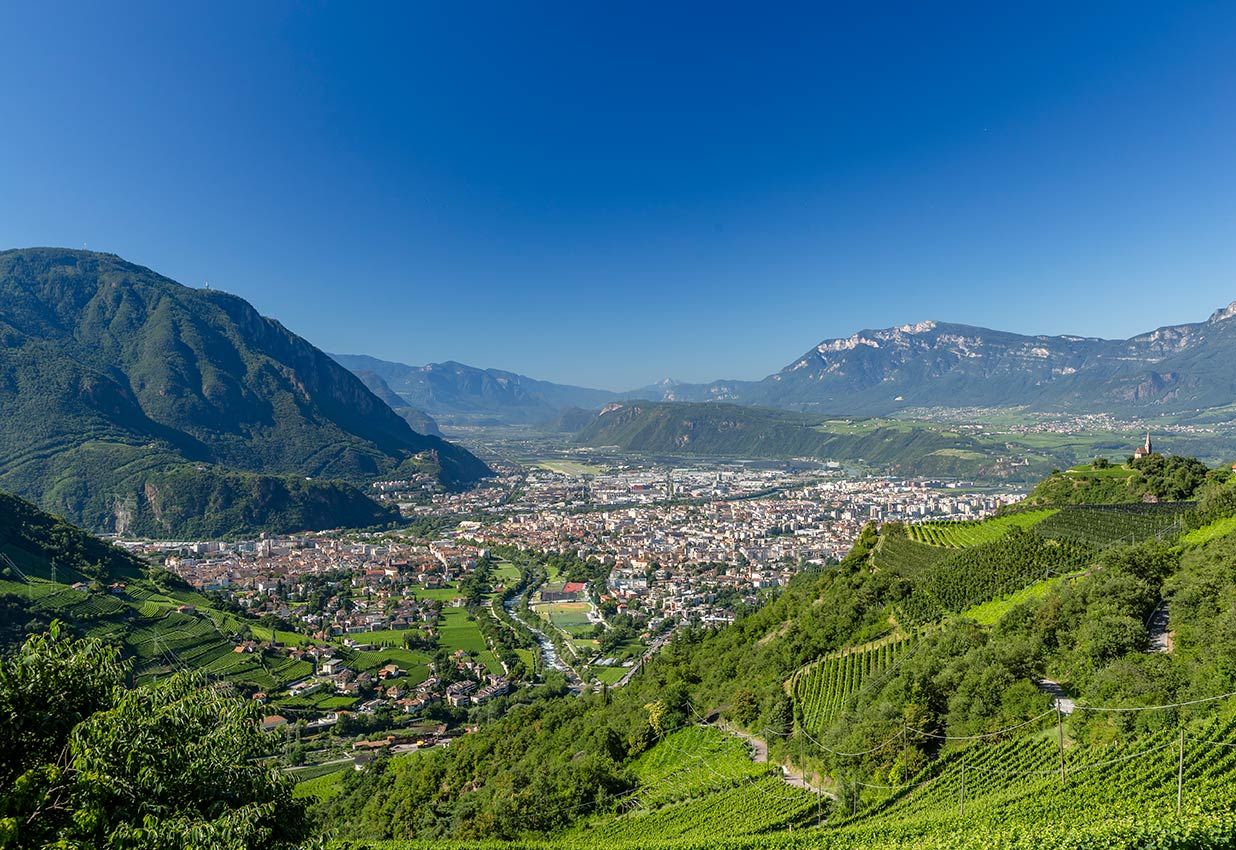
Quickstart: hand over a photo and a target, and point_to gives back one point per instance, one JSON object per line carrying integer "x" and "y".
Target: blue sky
{"x": 609, "y": 193}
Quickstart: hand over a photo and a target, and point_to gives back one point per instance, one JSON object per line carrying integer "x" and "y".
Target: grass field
{"x": 990, "y": 612}
{"x": 441, "y": 594}
{"x": 323, "y": 787}
{"x": 1218, "y": 528}
{"x": 506, "y": 573}
{"x": 570, "y": 617}
{"x": 609, "y": 675}
{"x": 385, "y": 637}
{"x": 458, "y": 632}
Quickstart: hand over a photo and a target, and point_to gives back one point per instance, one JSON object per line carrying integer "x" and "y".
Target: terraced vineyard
{"x": 1104, "y": 525}
{"x": 1006, "y": 795}
{"x": 820, "y": 689}
{"x": 691, "y": 762}
{"x": 983, "y": 572}
{"x": 958, "y": 535}
{"x": 899, "y": 554}
{"x": 1119, "y": 794}
{"x": 698, "y": 783}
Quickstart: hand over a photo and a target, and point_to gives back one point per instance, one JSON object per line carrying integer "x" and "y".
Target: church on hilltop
{"x": 1144, "y": 449}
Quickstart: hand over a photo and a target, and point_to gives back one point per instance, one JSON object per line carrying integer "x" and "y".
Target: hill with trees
{"x": 132, "y": 402}
{"x": 418, "y": 420}
{"x": 719, "y": 429}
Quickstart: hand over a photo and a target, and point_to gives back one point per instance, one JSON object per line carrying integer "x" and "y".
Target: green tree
{"x": 169, "y": 765}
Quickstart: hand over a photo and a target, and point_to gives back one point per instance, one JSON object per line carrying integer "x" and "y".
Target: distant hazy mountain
{"x": 420, "y": 421}
{"x": 932, "y": 364}
{"x": 133, "y": 403}
{"x": 453, "y": 392}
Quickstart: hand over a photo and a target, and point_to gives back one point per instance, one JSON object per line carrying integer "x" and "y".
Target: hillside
{"x": 719, "y": 429}
{"x": 454, "y": 392}
{"x": 50, "y": 570}
{"x": 891, "y": 681}
{"x": 53, "y": 571}
{"x": 132, "y": 401}
{"x": 1154, "y": 478}
{"x": 418, "y": 420}
{"x": 1173, "y": 369}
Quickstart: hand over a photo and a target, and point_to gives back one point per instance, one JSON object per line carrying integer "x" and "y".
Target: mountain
{"x": 936, "y": 364}
{"x": 723, "y": 429}
{"x": 137, "y": 405}
{"x": 453, "y": 392}
{"x": 418, "y": 420}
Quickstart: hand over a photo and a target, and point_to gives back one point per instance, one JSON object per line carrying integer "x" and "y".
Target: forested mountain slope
{"x": 943, "y": 657}
{"x": 132, "y": 403}
{"x": 420, "y": 421}
{"x": 719, "y": 430}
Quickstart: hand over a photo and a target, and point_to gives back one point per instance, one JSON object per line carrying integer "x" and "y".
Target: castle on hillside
{"x": 1144, "y": 449}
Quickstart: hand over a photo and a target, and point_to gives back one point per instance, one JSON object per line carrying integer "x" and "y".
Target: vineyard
{"x": 820, "y": 689}
{"x": 958, "y": 535}
{"x": 697, "y": 783}
{"x": 993, "y": 791}
{"x": 672, "y": 770}
{"x": 898, "y": 553}
{"x": 983, "y": 572}
{"x": 1006, "y": 794}
{"x": 1105, "y": 525}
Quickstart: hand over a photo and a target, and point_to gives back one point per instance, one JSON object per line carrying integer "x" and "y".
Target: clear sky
{"x": 609, "y": 193}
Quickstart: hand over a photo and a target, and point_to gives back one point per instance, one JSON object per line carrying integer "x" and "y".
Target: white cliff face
{"x": 1223, "y": 313}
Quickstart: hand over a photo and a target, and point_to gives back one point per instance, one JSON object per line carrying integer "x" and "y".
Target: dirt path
{"x": 1054, "y": 690}
{"x": 790, "y": 775}
{"x": 1160, "y": 638}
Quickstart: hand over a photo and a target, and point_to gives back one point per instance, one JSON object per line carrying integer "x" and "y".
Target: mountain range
{"x": 1173, "y": 369}
{"x": 136, "y": 405}
{"x": 459, "y": 394}
{"x": 936, "y": 364}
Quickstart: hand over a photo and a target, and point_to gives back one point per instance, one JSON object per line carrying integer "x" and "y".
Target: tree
{"x": 169, "y": 765}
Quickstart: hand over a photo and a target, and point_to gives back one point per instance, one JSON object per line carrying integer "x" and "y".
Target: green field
{"x": 322, "y": 787}
{"x": 973, "y": 532}
{"x": 569, "y": 617}
{"x": 458, "y": 632}
{"x": 441, "y": 594}
{"x": 989, "y": 613}
{"x": 609, "y": 675}
{"x": 1218, "y": 528}
{"x": 505, "y": 572}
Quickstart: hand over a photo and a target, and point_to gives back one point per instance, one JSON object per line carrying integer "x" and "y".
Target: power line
{"x": 983, "y": 735}
{"x": 1079, "y": 707}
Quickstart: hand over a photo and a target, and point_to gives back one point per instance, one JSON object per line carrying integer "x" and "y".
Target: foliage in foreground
{"x": 88, "y": 763}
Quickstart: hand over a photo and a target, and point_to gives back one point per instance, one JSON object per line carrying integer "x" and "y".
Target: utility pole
{"x": 1180, "y": 774}
{"x": 905, "y": 754}
{"x": 1060, "y": 738}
